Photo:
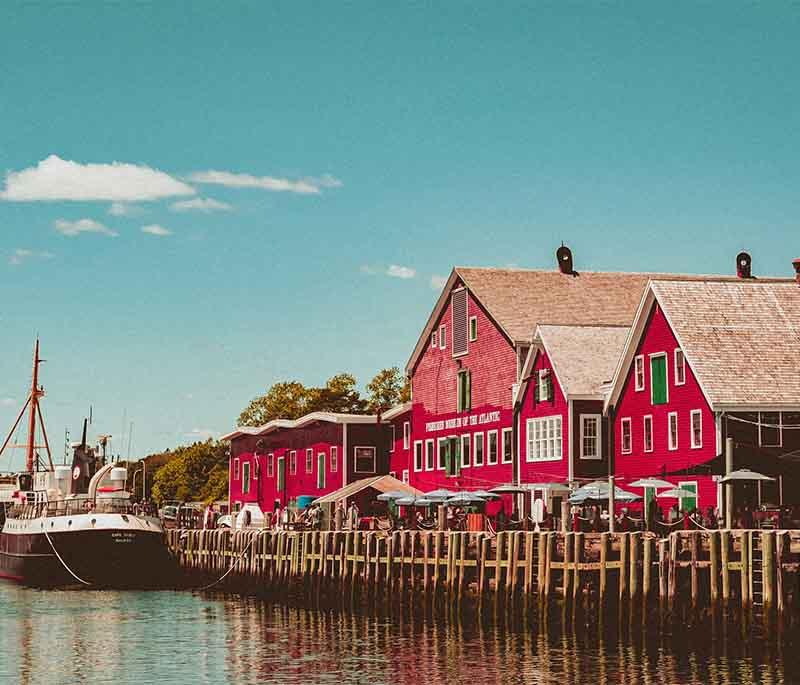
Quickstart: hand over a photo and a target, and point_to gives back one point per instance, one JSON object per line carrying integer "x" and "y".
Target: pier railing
{"x": 749, "y": 569}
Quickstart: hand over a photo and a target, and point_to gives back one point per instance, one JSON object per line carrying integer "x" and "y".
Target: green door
{"x": 658, "y": 374}
{"x": 454, "y": 454}
{"x": 649, "y": 494}
{"x": 688, "y": 503}
{"x": 321, "y": 470}
{"x": 281, "y": 474}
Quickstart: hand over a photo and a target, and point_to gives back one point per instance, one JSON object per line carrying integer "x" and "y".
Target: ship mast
{"x": 34, "y": 414}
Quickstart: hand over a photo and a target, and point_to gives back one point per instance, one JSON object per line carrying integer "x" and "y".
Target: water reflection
{"x": 166, "y": 637}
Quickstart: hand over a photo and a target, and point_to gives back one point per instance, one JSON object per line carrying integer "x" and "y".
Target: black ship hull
{"x": 105, "y": 558}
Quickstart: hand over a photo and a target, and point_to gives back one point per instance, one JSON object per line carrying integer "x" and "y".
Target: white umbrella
{"x": 677, "y": 493}
{"x": 414, "y": 501}
{"x": 392, "y": 494}
{"x": 509, "y": 489}
{"x": 745, "y": 474}
{"x": 440, "y": 494}
{"x": 651, "y": 483}
{"x": 466, "y": 498}
{"x": 485, "y": 494}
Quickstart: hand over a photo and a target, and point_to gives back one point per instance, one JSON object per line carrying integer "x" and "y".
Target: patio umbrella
{"x": 677, "y": 493}
{"x": 599, "y": 491}
{"x": 745, "y": 474}
{"x": 651, "y": 483}
{"x": 509, "y": 489}
{"x": 465, "y": 498}
{"x": 485, "y": 494}
{"x": 440, "y": 494}
{"x": 412, "y": 501}
{"x": 392, "y": 494}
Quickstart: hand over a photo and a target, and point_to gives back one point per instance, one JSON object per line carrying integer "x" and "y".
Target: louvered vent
{"x": 460, "y": 326}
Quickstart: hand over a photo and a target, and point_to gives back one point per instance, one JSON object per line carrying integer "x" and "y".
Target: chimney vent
{"x": 796, "y": 265}
{"x": 743, "y": 264}
{"x": 564, "y": 257}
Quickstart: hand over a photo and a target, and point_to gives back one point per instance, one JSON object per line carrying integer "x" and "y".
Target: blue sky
{"x": 338, "y": 142}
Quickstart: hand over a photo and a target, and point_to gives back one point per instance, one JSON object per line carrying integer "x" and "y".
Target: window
{"x": 508, "y": 443}
{"x": 309, "y": 460}
{"x": 418, "y": 455}
{"x": 770, "y": 429}
{"x": 434, "y": 339}
{"x": 658, "y": 378}
{"x": 672, "y": 435}
{"x": 429, "y": 455}
{"x": 639, "y": 372}
{"x": 544, "y": 385}
{"x": 236, "y": 469}
{"x": 491, "y": 453}
{"x": 688, "y": 503}
{"x": 648, "y": 433}
{"x": 270, "y": 466}
{"x": 321, "y": 470}
{"x": 473, "y": 328}
{"x": 590, "y": 436}
{"x": 697, "y": 428}
{"x": 405, "y": 476}
{"x": 544, "y": 439}
{"x": 459, "y": 321}
{"x": 293, "y": 462}
{"x": 452, "y": 456}
{"x": 464, "y": 393}
{"x": 466, "y": 444}
{"x": 334, "y": 459}
{"x": 365, "y": 459}
{"x": 281, "y": 473}
{"x": 245, "y": 477}
{"x": 680, "y": 367}
{"x": 406, "y": 435}
{"x": 442, "y": 454}
{"x": 392, "y": 438}
{"x": 625, "y": 436}
{"x": 477, "y": 457}
{"x": 442, "y": 337}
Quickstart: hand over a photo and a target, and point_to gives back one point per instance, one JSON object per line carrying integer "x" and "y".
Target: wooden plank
{"x": 634, "y": 540}
{"x": 530, "y": 542}
{"x": 780, "y": 542}
{"x": 426, "y": 554}
{"x": 604, "y": 547}
{"x": 548, "y": 563}
{"x": 768, "y": 567}
{"x": 744, "y": 576}
{"x": 566, "y": 577}
{"x": 693, "y": 545}
{"x": 713, "y": 551}
{"x": 724, "y": 560}
{"x": 577, "y": 558}
{"x": 647, "y": 567}
{"x": 623, "y": 572}
{"x": 541, "y": 541}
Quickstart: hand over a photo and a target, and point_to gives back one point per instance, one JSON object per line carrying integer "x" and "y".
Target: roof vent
{"x": 564, "y": 257}
{"x": 743, "y": 264}
{"x": 796, "y": 265}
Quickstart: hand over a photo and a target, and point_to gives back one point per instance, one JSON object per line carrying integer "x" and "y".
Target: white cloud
{"x": 438, "y": 282}
{"x": 200, "y": 204}
{"x": 305, "y": 186}
{"x": 397, "y": 271}
{"x": 123, "y": 209}
{"x": 60, "y": 179}
{"x": 155, "y": 229}
{"x": 73, "y": 228}
{"x": 21, "y": 254}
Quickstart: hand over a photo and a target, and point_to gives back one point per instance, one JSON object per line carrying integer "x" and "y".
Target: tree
{"x": 339, "y": 395}
{"x": 388, "y": 388}
{"x": 194, "y": 473}
{"x": 285, "y": 400}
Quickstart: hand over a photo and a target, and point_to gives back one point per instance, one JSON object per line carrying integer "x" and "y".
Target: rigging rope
{"x": 63, "y": 563}
{"x": 235, "y": 561}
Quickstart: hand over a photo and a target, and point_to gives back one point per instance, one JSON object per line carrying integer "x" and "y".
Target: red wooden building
{"x": 398, "y": 419}
{"x": 706, "y": 360}
{"x": 286, "y": 460}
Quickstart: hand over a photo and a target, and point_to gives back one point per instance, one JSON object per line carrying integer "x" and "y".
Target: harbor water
{"x": 85, "y": 636}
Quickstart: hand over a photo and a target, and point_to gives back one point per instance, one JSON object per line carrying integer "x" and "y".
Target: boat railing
{"x": 71, "y": 507}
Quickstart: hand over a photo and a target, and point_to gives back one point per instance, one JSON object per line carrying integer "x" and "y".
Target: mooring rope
{"x": 63, "y": 563}
{"x": 235, "y": 561}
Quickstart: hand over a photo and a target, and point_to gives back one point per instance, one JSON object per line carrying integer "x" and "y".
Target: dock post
{"x": 541, "y": 541}
{"x": 623, "y": 565}
{"x": 673, "y": 568}
{"x": 695, "y": 586}
{"x": 549, "y": 546}
{"x": 713, "y": 551}
{"x": 780, "y": 538}
{"x": 633, "y": 541}
{"x": 745, "y": 575}
{"x": 569, "y": 548}
{"x": 426, "y": 555}
{"x": 663, "y": 566}
{"x": 724, "y": 560}
{"x": 604, "y": 548}
{"x": 577, "y": 560}
{"x": 530, "y": 542}
{"x": 513, "y": 561}
{"x": 768, "y": 567}
{"x": 647, "y": 567}
{"x": 437, "y": 558}
{"x": 486, "y": 548}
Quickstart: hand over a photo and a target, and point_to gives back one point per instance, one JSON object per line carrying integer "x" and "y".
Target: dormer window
{"x": 442, "y": 337}
{"x": 434, "y": 339}
{"x": 473, "y": 328}
{"x": 639, "y": 372}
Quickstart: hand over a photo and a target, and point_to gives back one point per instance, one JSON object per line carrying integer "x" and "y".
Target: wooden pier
{"x": 749, "y": 570}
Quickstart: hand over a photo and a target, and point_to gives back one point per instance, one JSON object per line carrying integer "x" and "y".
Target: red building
{"x": 398, "y": 419}
{"x": 707, "y": 360}
{"x": 286, "y": 460}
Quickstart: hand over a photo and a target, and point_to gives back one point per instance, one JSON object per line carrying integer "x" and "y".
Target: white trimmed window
{"x": 508, "y": 442}
{"x": 418, "y": 456}
{"x": 442, "y": 337}
{"x": 466, "y": 443}
{"x": 309, "y": 460}
{"x": 442, "y": 446}
{"x": 270, "y": 465}
{"x": 473, "y": 328}
{"x": 639, "y": 372}
{"x": 648, "y": 433}
{"x": 334, "y": 459}
{"x": 544, "y": 439}
{"x": 245, "y": 477}
{"x": 429, "y": 455}
{"x": 672, "y": 430}
{"x": 393, "y": 438}
{"x": 321, "y": 470}
{"x": 406, "y": 434}
{"x": 680, "y": 367}
{"x": 477, "y": 457}
{"x": 626, "y": 446}
{"x": 590, "y": 436}
{"x": 365, "y": 459}
{"x": 293, "y": 462}
{"x": 236, "y": 469}
{"x": 405, "y": 476}
{"x": 544, "y": 385}
{"x": 491, "y": 454}
{"x": 434, "y": 339}
{"x": 697, "y": 428}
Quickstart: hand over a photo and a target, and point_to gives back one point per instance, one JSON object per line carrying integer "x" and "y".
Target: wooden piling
{"x": 768, "y": 567}
{"x": 724, "y": 560}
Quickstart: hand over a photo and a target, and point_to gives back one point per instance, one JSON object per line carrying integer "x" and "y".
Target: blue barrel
{"x": 304, "y": 501}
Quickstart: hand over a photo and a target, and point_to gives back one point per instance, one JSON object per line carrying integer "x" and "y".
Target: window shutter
{"x": 550, "y": 394}
{"x": 460, "y": 325}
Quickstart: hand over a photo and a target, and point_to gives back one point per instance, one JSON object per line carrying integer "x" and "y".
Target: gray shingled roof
{"x": 584, "y": 357}
{"x": 741, "y": 338}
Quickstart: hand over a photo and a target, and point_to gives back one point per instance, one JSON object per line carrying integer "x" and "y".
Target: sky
{"x": 199, "y": 200}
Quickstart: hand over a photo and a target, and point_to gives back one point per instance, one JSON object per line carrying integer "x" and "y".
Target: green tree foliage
{"x": 388, "y": 388}
{"x": 197, "y": 472}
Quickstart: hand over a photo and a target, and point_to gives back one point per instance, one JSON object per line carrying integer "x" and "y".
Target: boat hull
{"x": 116, "y": 552}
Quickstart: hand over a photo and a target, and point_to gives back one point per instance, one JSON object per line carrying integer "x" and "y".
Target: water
{"x": 177, "y": 637}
